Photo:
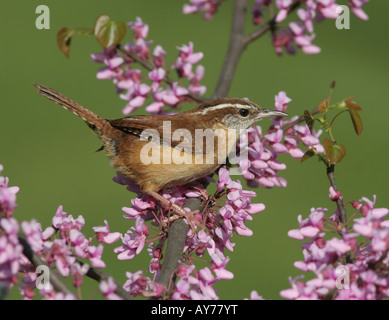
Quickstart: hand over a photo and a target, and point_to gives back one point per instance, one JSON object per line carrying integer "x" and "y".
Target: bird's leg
{"x": 200, "y": 188}
{"x": 189, "y": 216}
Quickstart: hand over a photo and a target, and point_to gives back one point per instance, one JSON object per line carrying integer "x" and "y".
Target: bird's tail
{"x": 95, "y": 122}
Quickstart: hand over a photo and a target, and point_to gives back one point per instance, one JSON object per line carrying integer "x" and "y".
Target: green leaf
{"x": 107, "y": 32}
{"x": 323, "y": 106}
{"x": 357, "y": 121}
{"x": 309, "y": 154}
{"x": 334, "y": 152}
{"x": 309, "y": 120}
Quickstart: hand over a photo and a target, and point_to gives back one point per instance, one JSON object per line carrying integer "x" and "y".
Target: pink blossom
{"x": 159, "y": 56}
{"x": 78, "y": 271}
{"x": 133, "y": 243}
{"x": 359, "y": 257}
{"x": 254, "y": 296}
{"x": 103, "y": 234}
{"x": 356, "y": 8}
{"x": 60, "y": 253}
{"x": 219, "y": 262}
{"x": 138, "y": 284}
{"x": 140, "y": 29}
{"x": 283, "y": 39}
{"x": 10, "y": 252}
{"x": 63, "y": 222}
{"x": 186, "y": 60}
{"x": 195, "y": 78}
{"x": 334, "y": 195}
{"x": 157, "y": 75}
{"x": 209, "y": 6}
{"x": 93, "y": 254}
{"x": 258, "y": 10}
{"x": 107, "y": 288}
{"x": 33, "y": 232}
{"x": 7, "y": 196}
{"x": 326, "y": 9}
{"x": 283, "y": 5}
{"x": 303, "y": 40}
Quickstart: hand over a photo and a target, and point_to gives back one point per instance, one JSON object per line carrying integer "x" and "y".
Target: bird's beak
{"x": 265, "y": 113}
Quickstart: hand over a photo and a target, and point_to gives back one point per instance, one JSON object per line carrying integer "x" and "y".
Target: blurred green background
{"x": 49, "y": 153}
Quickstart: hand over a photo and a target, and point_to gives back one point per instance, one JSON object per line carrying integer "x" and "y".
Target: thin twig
{"x": 339, "y": 202}
{"x": 269, "y": 25}
{"x": 101, "y": 276}
{"x": 340, "y": 205}
{"x": 57, "y": 282}
{"x": 235, "y": 49}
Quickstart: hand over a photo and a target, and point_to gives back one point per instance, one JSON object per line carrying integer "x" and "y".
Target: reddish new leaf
{"x": 63, "y": 41}
{"x": 357, "y": 121}
{"x": 64, "y": 37}
{"x": 353, "y": 108}
{"x": 323, "y": 106}
{"x": 334, "y": 152}
{"x": 109, "y": 33}
{"x": 352, "y": 105}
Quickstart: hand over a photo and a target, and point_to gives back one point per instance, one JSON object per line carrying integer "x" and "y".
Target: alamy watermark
{"x": 43, "y": 20}
{"x": 343, "y": 277}
{"x": 43, "y": 279}
{"x": 183, "y": 147}
{"x": 343, "y": 19}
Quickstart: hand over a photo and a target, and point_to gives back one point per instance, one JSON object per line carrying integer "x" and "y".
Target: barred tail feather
{"x": 93, "y": 120}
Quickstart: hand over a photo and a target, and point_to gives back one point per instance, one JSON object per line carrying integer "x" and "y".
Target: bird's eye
{"x": 243, "y": 112}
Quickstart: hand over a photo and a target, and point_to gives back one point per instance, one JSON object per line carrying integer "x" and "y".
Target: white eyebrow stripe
{"x": 224, "y": 105}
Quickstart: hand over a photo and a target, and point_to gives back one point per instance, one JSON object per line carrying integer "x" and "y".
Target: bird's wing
{"x": 165, "y": 131}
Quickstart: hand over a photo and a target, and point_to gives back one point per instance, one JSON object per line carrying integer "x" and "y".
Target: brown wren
{"x": 178, "y": 154}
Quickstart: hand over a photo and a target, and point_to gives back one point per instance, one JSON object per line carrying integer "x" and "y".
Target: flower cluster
{"x": 10, "y": 249}
{"x": 299, "y": 33}
{"x": 353, "y": 265}
{"x": 220, "y": 223}
{"x": 209, "y": 6}
{"x": 7, "y": 196}
{"x": 193, "y": 284}
{"x": 258, "y": 152}
{"x": 59, "y": 245}
{"x": 136, "y": 85}
{"x": 68, "y": 245}
{"x": 138, "y": 284}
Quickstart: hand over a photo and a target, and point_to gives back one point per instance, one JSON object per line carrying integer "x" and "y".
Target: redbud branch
{"x": 58, "y": 284}
{"x": 175, "y": 246}
{"x": 238, "y": 42}
{"x": 235, "y": 49}
{"x": 340, "y": 205}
